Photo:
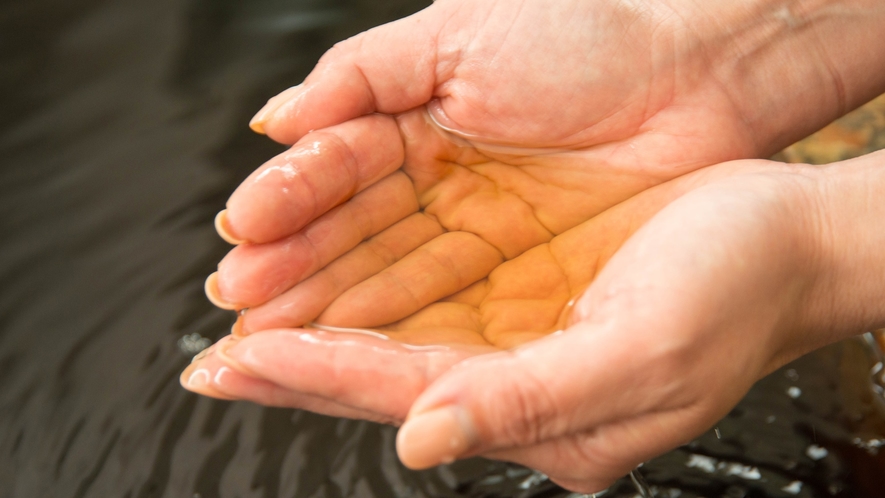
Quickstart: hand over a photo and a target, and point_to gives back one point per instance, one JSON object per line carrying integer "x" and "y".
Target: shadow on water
{"x": 122, "y": 132}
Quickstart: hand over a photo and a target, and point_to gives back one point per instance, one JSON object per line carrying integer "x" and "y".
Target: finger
{"x": 199, "y": 380}
{"x": 368, "y": 372}
{"x": 493, "y": 311}
{"x": 305, "y": 301}
{"x": 454, "y": 193}
{"x": 388, "y": 69}
{"x": 458, "y": 323}
{"x": 254, "y": 273}
{"x": 211, "y": 376}
{"x": 546, "y": 389}
{"x": 441, "y": 314}
{"x": 322, "y": 170}
{"x": 443, "y": 266}
{"x": 440, "y": 323}
{"x": 507, "y": 221}
{"x": 472, "y": 295}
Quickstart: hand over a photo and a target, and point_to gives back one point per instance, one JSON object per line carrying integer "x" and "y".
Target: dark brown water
{"x": 122, "y": 132}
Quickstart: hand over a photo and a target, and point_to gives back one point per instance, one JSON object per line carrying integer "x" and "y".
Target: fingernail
{"x": 214, "y": 295}
{"x": 237, "y": 329}
{"x": 222, "y": 353}
{"x": 266, "y": 113}
{"x": 195, "y": 378}
{"x": 198, "y": 380}
{"x": 222, "y": 226}
{"x": 435, "y": 437}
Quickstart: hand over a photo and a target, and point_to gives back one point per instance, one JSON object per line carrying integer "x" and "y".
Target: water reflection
{"x": 122, "y": 131}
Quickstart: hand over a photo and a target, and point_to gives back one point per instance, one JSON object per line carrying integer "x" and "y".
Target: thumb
{"x": 388, "y": 69}
{"x": 545, "y": 390}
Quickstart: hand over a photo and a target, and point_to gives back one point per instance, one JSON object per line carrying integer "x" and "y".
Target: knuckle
{"x": 382, "y": 252}
{"x": 526, "y": 415}
{"x": 339, "y": 50}
{"x": 330, "y": 143}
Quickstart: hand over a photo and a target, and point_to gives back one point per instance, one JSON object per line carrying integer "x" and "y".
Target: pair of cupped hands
{"x": 535, "y": 208}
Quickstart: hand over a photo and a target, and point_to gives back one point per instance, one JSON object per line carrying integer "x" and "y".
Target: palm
{"x": 445, "y": 220}
{"x": 529, "y": 296}
{"x": 522, "y": 299}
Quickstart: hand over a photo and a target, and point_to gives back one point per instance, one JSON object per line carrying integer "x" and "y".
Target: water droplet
{"x": 743, "y": 471}
{"x": 793, "y": 488}
{"x": 816, "y": 452}
{"x": 872, "y": 446}
{"x": 192, "y": 344}
{"x": 705, "y": 463}
{"x": 533, "y": 480}
{"x": 641, "y": 486}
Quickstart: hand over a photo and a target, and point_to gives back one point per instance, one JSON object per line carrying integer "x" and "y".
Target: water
{"x": 122, "y": 132}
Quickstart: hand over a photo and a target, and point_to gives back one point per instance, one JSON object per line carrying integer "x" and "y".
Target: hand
{"x": 548, "y": 113}
{"x": 697, "y": 288}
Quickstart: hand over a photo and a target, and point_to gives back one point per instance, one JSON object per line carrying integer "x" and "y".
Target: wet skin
{"x": 436, "y": 227}
{"x": 481, "y": 199}
{"x": 655, "y": 96}
{"x": 536, "y": 285}
{"x": 405, "y": 206}
{"x": 658, "y": 347}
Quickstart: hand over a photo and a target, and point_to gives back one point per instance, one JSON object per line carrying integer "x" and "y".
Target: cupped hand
{"x": 514, "y": 122}
{"x": 684, "y": 295}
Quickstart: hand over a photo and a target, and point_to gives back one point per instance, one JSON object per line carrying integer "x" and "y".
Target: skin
{"x": 483, "y": 173}
{"x": 509, "y": 140}
{"x": 697, "y": 288}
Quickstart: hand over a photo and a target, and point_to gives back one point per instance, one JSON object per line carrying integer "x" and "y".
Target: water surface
{"x": 122, "y": 132}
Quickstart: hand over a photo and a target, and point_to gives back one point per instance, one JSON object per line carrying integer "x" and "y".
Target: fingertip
{"x": 198, "y": 379}
{"x": 385, "y": 70}
{"x": 222, "y": 226}
{"x": 435, "y": 437}
{"x": 257, "y": 127}
{"x": 238, "y": 329}
{"x": 256, "y": 124}
{"x": 247, "y": 326}
{"x": 267, "y": 113}
{"x": 193, "y": 377}
{"x": 214, "y": 294}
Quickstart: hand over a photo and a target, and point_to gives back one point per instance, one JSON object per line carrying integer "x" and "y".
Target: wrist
{"x": 850, "y": 238}
{"x": 789, "y": 66}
